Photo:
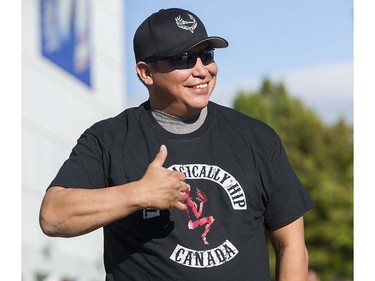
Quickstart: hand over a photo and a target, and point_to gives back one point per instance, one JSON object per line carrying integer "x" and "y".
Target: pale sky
{"x": 308, "y": 45}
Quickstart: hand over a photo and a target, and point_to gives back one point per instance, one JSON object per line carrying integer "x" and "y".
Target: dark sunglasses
{"x": 188, "y": 60}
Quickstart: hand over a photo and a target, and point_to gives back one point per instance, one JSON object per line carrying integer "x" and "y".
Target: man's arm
{"x": 68, "y": 212}
{"x": 291, "y": 253}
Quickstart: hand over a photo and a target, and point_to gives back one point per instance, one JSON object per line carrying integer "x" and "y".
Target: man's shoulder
{"x": 117, "y": 125}
{"x": 244, "y": 128}
{"x": 239, "y": 120}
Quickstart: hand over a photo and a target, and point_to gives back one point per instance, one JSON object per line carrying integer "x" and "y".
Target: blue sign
{"x": 65, "y": 36}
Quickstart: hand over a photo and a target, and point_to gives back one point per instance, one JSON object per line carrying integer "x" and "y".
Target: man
{"x": 236, "y": 167}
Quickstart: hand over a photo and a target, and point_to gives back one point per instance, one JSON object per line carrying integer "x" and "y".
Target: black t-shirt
{"x": 241, "y": 183}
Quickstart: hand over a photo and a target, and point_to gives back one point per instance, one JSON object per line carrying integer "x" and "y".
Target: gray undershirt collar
{"x": 177, "y": 125}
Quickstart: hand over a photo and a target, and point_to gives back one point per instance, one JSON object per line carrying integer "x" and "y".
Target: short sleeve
{"x": 288, "y": 199}
{"x": 84, "y": 168}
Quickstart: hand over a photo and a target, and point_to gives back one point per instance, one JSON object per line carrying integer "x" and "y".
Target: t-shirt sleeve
{"x": 288, "y": 199}
{"x": 85, "y": 167}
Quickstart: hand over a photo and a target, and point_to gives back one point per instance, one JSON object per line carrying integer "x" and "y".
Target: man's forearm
{"x": 292, "y": 264}
{"x": 68, "y": 212}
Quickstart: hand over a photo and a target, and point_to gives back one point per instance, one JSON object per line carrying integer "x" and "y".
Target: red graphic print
{"x": 197, "y": 211}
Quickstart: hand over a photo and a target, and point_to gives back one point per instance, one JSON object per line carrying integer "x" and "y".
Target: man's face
{"x": 182, "y": 92}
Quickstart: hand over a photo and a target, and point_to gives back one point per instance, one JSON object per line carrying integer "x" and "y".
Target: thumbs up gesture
{"x": 161, "y": 188}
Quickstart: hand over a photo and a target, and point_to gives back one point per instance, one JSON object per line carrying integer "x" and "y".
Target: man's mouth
{"x": 201, "y": 86}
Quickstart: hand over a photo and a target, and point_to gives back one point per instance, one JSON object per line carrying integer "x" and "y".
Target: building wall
{"x": 56, "y": 109}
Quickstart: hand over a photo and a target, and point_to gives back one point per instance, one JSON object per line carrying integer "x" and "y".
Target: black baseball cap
{"x": 170, "y": 32}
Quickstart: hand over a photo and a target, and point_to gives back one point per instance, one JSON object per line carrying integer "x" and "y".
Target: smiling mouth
{"x": 200, "y": 86}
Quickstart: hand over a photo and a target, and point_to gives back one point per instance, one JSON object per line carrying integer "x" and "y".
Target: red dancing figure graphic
{"x": 197, "y": 211}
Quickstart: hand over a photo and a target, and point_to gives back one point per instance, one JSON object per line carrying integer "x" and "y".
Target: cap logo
{"x": 187, "y": 25}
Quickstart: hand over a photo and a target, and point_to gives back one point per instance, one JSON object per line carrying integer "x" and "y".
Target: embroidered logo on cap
{"x": 187, "y": 25}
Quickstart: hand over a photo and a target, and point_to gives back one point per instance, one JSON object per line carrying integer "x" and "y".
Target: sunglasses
{"x": 188, "y": 60}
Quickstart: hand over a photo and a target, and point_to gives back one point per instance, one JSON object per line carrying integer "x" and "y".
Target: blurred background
{"x": 289, "y": 63}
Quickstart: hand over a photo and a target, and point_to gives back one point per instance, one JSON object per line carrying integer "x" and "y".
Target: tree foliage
{"x": 322, "y": 156}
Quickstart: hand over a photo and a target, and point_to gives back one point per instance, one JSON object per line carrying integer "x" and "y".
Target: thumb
{"x": 161, "y": 156}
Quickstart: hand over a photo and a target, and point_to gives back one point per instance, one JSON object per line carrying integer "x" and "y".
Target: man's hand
{"x": 161, "y": 188}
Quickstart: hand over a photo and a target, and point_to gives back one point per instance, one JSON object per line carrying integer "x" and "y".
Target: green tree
{"x": 322, "y": 156}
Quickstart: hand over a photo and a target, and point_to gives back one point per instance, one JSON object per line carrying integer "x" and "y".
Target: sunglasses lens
{"x": 207, "y": 56}
{"x": 188, "y": 60}
{"x": 184, "y": 61}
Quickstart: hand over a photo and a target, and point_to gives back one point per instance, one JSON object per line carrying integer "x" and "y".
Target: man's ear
{"x": 144, "y": 73}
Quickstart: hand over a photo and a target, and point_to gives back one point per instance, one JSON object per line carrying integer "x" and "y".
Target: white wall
{"x": 56, "y": 109}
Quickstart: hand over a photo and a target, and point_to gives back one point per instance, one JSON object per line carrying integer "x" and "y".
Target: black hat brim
{"x": 213, "y": 41}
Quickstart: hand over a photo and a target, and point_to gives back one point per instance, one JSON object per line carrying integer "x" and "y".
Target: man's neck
{"x": 179, "y": 125}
